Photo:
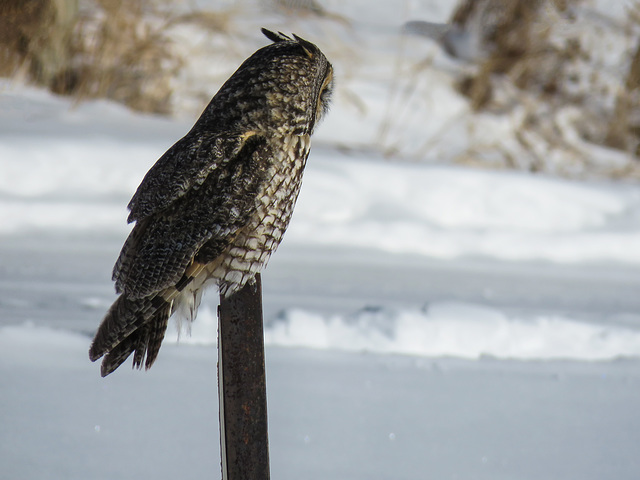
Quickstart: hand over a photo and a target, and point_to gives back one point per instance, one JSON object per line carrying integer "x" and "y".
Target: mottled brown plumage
{"x": 214, "y": 207}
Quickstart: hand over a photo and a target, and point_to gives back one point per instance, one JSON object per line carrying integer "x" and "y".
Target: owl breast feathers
{"x": 215, "y": 206}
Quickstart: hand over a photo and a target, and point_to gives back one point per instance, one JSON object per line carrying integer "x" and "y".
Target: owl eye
{"x": 323, "y": 99}
{"x": 325, "y": 93}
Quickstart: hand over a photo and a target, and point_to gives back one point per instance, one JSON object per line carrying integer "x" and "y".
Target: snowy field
{"x": 422, "y": 321}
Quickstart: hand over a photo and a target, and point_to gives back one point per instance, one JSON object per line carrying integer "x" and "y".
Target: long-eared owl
{"x": 215, "y": 206}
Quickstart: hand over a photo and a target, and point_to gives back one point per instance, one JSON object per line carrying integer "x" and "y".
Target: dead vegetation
{"x": 624, "y": 125}
{"x": 516, "y": 40}
{"x": 122, "y": 53}
{"x": 115, "y": 49}
{"x": 539, "y": 49}
{"x": 35, "y": 40}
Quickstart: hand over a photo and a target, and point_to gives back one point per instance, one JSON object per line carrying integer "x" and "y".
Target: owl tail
{"x": 131, "y": 326}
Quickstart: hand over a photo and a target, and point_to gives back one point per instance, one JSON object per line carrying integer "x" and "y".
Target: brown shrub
{"x": 36, "y": 35}
{"x": 114, "y": 49}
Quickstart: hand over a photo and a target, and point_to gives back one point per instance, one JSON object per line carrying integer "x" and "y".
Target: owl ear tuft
{"x": 275, "y": 37}
{"x": 308, "y": 47}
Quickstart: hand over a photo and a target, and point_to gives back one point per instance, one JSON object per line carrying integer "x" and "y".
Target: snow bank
{"x": 443, "y": 329}
{"x": 445, "y": 212}
{"x": 457, "y": 330}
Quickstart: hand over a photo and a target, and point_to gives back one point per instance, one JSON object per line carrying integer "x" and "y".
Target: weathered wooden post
{"x": 244, "y": 442}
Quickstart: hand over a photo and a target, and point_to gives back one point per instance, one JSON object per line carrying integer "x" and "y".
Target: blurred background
{"x": 543, "y": 86}
{"x": 456, "y": 296}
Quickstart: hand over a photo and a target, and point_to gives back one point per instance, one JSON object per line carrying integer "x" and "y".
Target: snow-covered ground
{"x": 513, "y": 300}
{"x": 421, "y": 321}
{"x": 332, "y": 415}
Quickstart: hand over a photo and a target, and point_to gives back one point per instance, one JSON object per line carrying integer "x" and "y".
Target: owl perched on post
{"x": 215, "y": 206}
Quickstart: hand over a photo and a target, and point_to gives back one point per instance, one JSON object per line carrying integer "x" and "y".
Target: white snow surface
{"x": 451, "y": 212}
{"x": 351, "y": 416}
{"x": 456, "y": 330}
{"x": 441, "y": 329}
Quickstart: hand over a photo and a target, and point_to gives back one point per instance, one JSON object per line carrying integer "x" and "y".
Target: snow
{"x": 457, "y": 330}
{"x": 440, "y": 329}
{"x": 438, "y": 212}
{"x": 422, "y": 320}
{"x": 449, "y": 212}
{"x": 346, "y": 415}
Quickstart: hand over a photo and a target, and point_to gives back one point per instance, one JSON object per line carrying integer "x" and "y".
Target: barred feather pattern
{"x": 216, "y": 205}
{"x": 137, "y": 325}
{"x": 131, "y": 326}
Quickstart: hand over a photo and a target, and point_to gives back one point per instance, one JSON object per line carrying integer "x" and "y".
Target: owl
{"x": 215, "y": 206}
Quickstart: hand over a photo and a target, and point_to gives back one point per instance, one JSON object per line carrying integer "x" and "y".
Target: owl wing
{"x": 178, "y": 208}
{"x": 185, "y": 165}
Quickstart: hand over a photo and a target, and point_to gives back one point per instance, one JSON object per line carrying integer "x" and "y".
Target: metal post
{"x": 244, "y": 443}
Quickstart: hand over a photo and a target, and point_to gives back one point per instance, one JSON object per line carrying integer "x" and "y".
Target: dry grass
{"x": 116, "y": 49}
{"x": 35, "y": 38}
{"x": 519, "y": 46}
{"x": 624, "y": 124}
{"x": 121, "y": 52}
{"x": 525, "y": 55}
{"x": 554, "y": 86}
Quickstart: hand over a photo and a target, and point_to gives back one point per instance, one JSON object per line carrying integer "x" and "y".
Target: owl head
{"x": 283, "y": 87}
{"x": 323, "y": 86}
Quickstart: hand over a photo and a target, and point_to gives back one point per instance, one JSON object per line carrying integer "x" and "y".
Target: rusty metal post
{"x": 244, "y": 442}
